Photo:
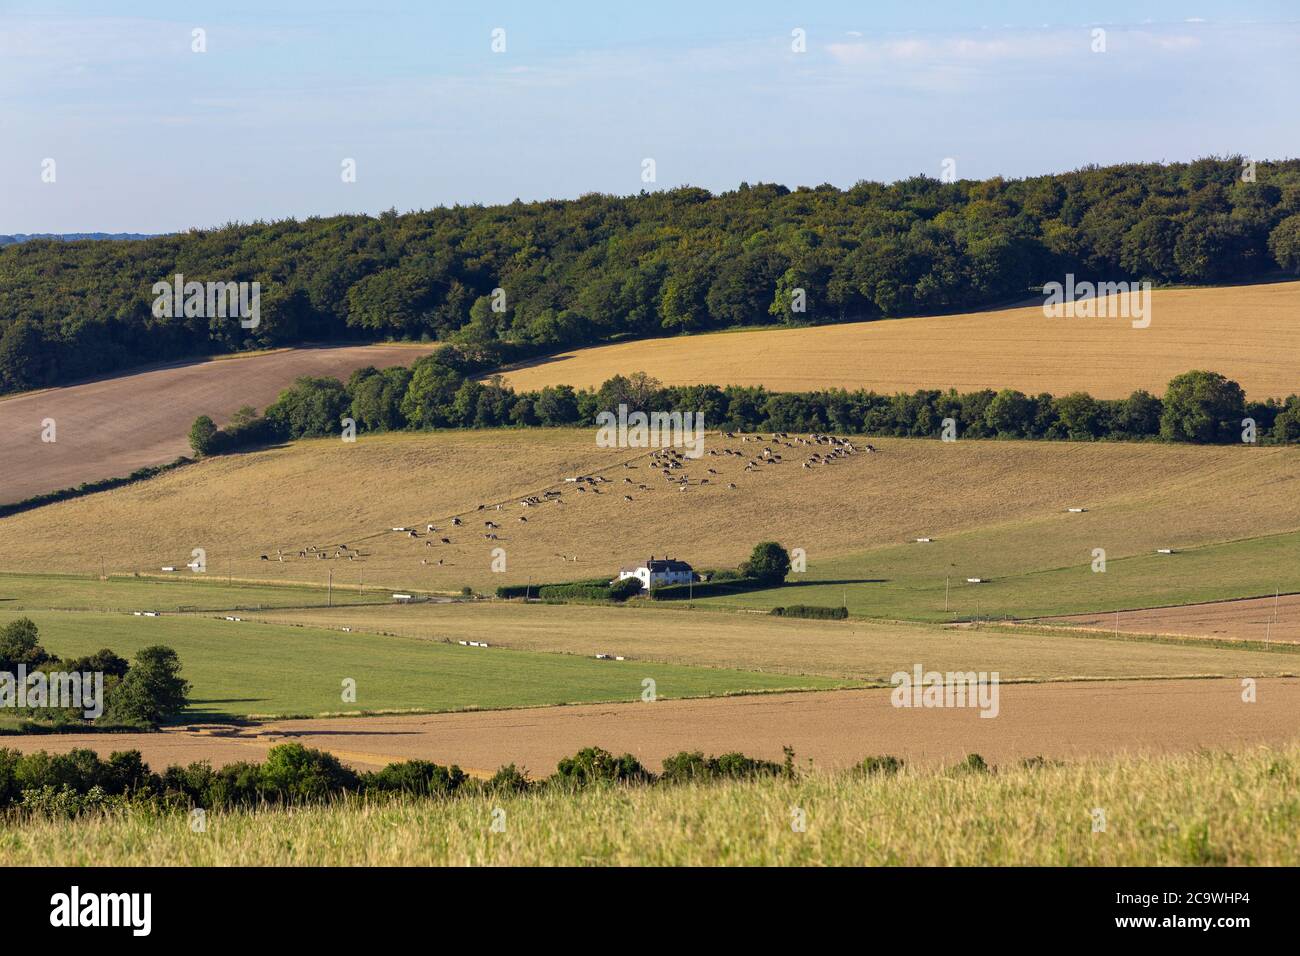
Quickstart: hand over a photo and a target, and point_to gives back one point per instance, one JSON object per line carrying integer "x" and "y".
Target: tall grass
{"x": 1238, "y": 808}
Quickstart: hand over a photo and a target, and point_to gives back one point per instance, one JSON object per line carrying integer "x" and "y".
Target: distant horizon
{"x": 135, "y": 234}
{"x": 155, "y": 120}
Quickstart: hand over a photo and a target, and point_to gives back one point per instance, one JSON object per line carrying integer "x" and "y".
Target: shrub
{"x": 203, "y": 435}
{"x": 624, "y": 589}
{"x": 294, "y": 774}
{"x": 688, "y": 765}
{"x": 419, "y": 777}
{"x": 594, "y": 765}
{"x": 816, "y": 611}
{"x": 885, "y": 766}
{"x": 509, "y": 779}
{"x": 973, "y": 763}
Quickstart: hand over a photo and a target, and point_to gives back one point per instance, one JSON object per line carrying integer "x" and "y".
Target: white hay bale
{"x": 1164, "y": 550}
{"x": 1076, "y": 511}
{"x": 924, "y": 540}
{"x": 974, "y": 580}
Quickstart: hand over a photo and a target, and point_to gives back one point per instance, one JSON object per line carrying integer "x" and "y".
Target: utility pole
{"x": 331, "y": 588}
{"x": 946, "y": 579}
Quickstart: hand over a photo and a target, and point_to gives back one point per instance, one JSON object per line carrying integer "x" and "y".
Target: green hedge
{"x": 813, "y": 611}
{"x": 89, "y": 488}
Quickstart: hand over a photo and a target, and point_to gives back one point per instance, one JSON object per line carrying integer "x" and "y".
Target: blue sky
{"x": 148, "y": 136}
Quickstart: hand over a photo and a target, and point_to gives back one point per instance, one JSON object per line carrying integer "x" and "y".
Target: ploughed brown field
{"x": 1256, "y": 619}
{"x": 110, "y": 427}
{"x": 1246, "y": 332}
{"x": 834, "y": 729}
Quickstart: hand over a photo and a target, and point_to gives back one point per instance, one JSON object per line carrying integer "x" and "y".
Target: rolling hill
{"x": 110, "y": 427}
{"x": 995, "y": 509}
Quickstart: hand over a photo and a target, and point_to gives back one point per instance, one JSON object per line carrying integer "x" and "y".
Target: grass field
{"x": 1226, "y": 808}
{"x": 855, "y": 649}
{"x": 994, "y": 509}
{"x": 241, "y": 669}
{"x": 1246, "y": 332}
{"x": 928, "y": 582}
{"x": 110, "y": 427}
{"x": 185, "y": 590}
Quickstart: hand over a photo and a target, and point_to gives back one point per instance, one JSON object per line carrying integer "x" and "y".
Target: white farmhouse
{"x": 657, "y": 572}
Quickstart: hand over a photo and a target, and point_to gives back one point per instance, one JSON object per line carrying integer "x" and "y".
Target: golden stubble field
{"x": 1248, "y": 333}
{"x": 325, "y": 493}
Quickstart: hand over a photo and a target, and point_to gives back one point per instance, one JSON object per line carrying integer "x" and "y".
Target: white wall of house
{"x": 661, "y": 578}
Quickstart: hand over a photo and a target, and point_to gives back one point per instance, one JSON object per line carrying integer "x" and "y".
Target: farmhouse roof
{"x": 659, "y": 565}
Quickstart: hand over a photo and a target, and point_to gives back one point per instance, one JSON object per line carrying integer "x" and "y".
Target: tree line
{"x": 527, "y": 278}
{"x": 142, "y": 693}
{"x": 439, "y": 391}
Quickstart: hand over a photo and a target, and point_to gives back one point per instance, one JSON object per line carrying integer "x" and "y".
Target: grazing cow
{"x": 446, "y": 540}
{"x": 627, "y": 497}
{"x": 265, "y": 558}
{"x": 523, "y": 519}
{"x": 731, "y": 485}
{"x": 455, "y": 521}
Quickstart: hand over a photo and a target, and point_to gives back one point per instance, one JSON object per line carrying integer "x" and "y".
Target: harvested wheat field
{"x": 300, "y": 504}
{"x": 1246, "y": 332}
{"x": 110, "y": 427}
{"x": 1065, "y": 721}
{"x": 1258, "y": 619}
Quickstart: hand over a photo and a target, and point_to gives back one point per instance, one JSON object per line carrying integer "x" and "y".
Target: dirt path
{"x": 834, "y": 729}
{"x": 1257, "y": 619}
{"x": 110, "y": 427}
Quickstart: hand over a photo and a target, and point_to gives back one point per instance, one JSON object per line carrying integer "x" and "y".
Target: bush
{"x": 624, "y": 589}
{"x": 686, "y": 766}
{"x": 509, "y": 779}
{"x": 594, "y": 765}
{"x": 973, "y": 763}
{"x": 203, "y": 435}
{"x": 419, "y": 777}
{"x": 817, "y": 611}
{"x": 294, "y": 774}
{"x": 885, "y": 766}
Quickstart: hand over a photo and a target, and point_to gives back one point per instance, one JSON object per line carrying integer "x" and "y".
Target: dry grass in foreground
{"x": 1209, "y": 808}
